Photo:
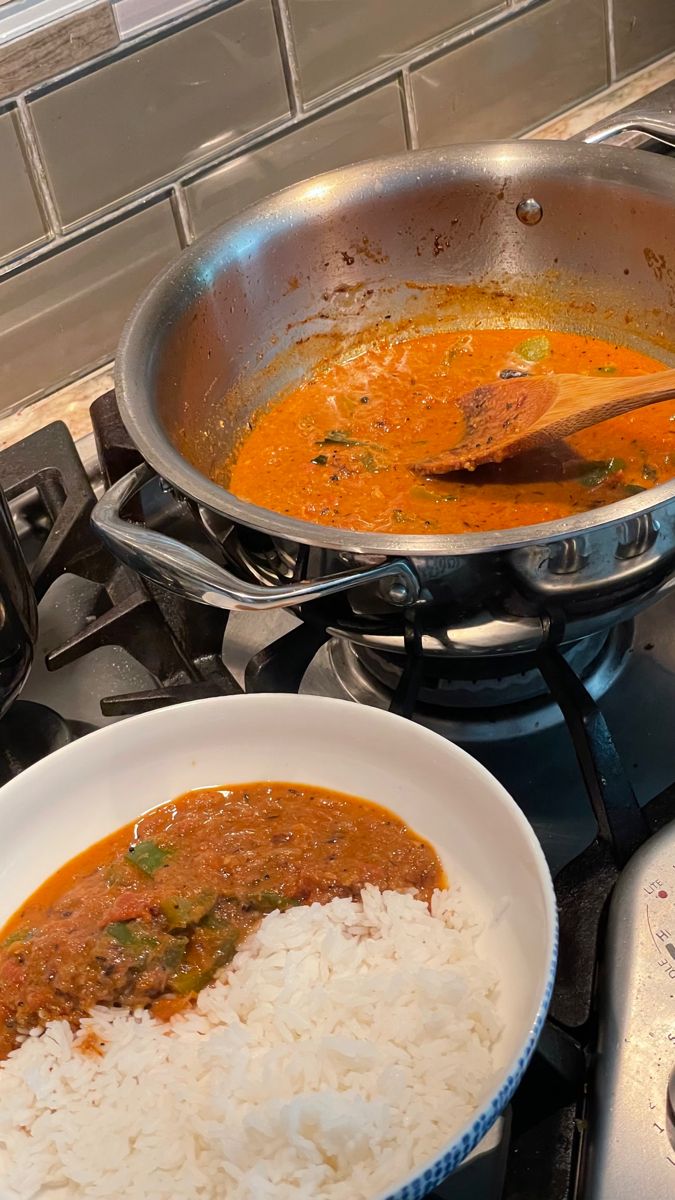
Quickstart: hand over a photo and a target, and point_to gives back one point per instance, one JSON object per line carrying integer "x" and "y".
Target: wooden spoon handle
{"x": 606, "y": 398}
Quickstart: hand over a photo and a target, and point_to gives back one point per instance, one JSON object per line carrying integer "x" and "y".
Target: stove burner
{"x": 30, "y": 731}
{"x": 473, "y": 694}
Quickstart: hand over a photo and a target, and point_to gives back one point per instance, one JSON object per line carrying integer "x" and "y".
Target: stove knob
{"x": 670, "y": 1108}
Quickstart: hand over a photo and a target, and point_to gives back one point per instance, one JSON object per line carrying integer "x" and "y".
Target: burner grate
{"x": 48, "y": 463}
{"x": 179, "y": 646}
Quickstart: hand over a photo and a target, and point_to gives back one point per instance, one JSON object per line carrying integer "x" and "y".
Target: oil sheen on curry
{"x": 146, "y": 917}
{"x": 337, "y": 450}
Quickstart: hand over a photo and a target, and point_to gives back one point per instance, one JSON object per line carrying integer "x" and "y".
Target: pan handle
{"x": 654, "y": 127}
{"x": 183, "y": 570}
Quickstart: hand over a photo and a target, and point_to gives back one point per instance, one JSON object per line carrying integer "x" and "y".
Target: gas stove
{"x": 580, "y": 738}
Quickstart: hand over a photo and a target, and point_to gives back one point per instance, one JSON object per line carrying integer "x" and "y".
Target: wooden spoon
{"x": 511, "y": 415}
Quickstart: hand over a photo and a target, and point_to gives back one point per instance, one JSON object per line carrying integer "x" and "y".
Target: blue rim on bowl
{"x": 428, "y": 1177}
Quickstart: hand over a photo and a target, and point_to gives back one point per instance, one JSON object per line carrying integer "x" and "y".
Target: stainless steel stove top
{"x": 631, "y": 1150}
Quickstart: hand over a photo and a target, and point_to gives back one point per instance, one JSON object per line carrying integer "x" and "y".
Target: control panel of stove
{"x": 630, "y": 1140}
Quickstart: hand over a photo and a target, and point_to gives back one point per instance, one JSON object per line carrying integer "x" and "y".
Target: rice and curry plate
{"x": 256, "y": 990}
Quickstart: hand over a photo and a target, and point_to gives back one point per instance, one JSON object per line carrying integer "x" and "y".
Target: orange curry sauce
{"x": 147, "y": 916}
{"x": 337, "y": 450}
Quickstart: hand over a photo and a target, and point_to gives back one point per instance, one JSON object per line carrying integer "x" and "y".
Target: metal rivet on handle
{"x": 529, "y": 211}
{"x": 399, "y": 593}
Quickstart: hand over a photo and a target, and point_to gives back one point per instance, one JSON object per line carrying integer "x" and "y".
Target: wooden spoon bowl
{"x": 512, "y": 415}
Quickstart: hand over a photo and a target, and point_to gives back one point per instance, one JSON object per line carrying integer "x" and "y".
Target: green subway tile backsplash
{"x": 114, "y": 153}
{"x": 158, "y": 111}
{"x": 368, "y": 125}
{"x": 21, "y": 226}
{"x": 522, "y": 81}
{"x": 63, "y": 315}
{"x": 338, "y": 40}
{"x": 643, "y": 31}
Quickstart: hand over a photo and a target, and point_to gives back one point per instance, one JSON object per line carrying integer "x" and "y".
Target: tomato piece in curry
{"x": 337, "y": 450}
{"x": 147, "y": 916}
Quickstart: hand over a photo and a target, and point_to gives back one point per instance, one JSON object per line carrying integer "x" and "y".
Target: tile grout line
{"x": 289, "y": 58}
{"x": 182, "y": 216}
{"x": 420, "y": 55}
{"x": 38, "y": 170}
{"x": 611, "y": 40}
{"x": 63, "y": 239}
{"x": 409, "y": 110}
{"x": 113, "y": 9}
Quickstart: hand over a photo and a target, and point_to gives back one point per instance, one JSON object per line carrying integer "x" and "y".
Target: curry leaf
{"x": 320, "y": 460}
{"x": 339, "y": 437}
{"x": 650, "y": 473}
{"x": 148, "y": 856}
{"x": 599, "y": 472}
{"x": 533, "y": 349}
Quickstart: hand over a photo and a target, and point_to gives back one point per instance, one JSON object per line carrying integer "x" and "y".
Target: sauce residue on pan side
{"x": 337, "y": 449}
{"x": 149, "y": 914}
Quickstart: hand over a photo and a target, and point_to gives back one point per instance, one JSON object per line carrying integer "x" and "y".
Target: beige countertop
{"x": 575, "y": 120}
{"x": 71, "y": 403}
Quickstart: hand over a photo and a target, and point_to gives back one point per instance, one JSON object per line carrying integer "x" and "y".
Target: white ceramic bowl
{"x": 90, "y": 788}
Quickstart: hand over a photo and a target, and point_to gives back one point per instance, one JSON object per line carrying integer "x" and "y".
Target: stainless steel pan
{"x": 571, "y": 235}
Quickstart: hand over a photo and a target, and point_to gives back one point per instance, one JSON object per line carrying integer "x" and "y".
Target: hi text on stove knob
{"x": 670, "y": 1108}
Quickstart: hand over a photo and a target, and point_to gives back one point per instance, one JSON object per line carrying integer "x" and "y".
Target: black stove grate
{"x": 179, "y": 647}
{"x": 47, "y": 467}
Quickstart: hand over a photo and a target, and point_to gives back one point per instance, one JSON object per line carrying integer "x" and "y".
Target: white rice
{"x": 345, "y": 1045}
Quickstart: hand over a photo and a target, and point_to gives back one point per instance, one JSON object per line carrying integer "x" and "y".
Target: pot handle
{"x": 654, "y": 127}
{"x": 185, "y": 571}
